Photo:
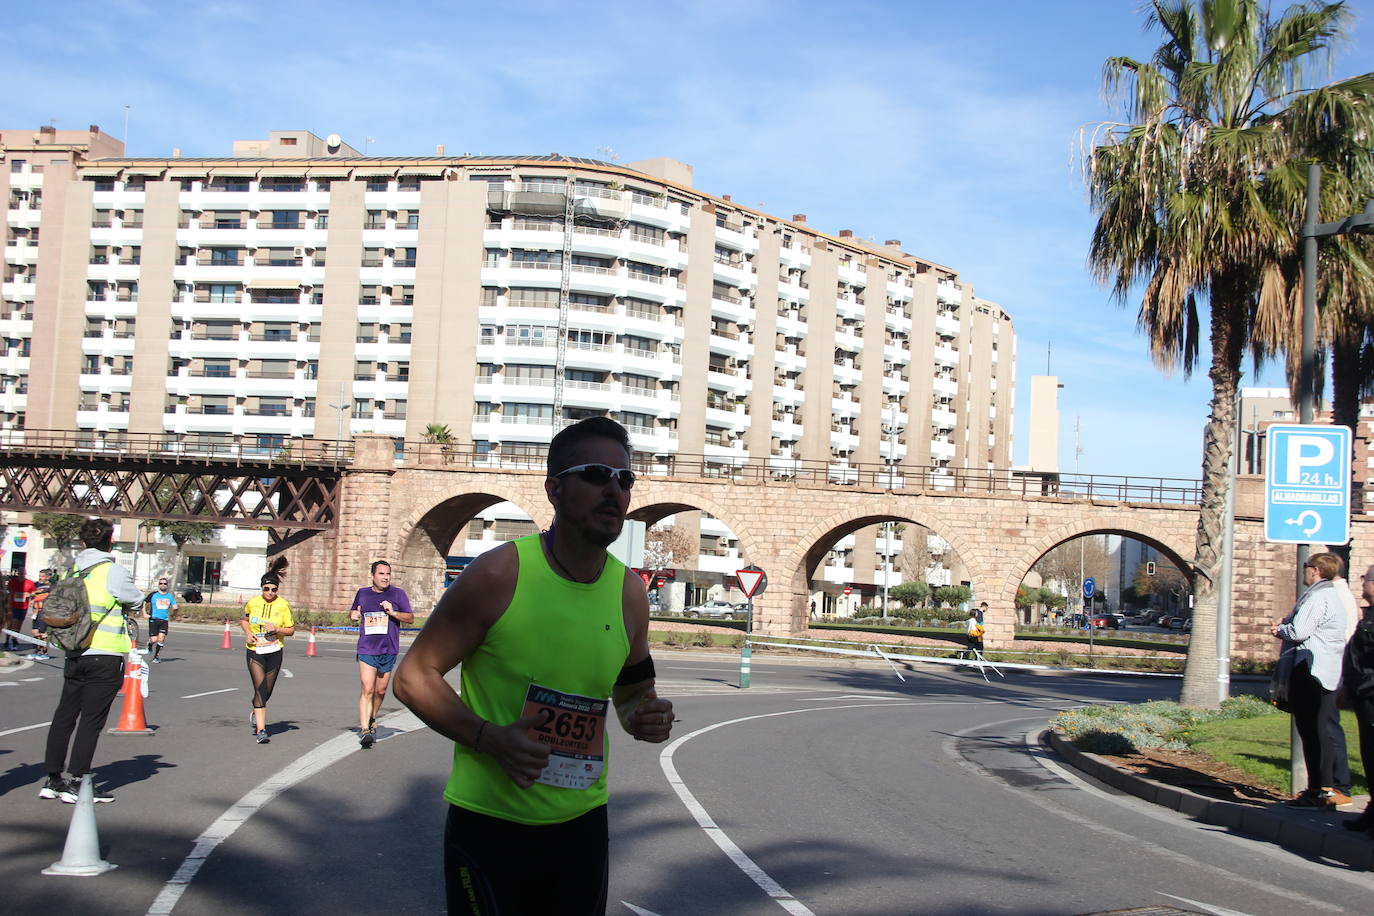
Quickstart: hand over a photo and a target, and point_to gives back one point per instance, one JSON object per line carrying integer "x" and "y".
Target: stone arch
{"x": 1169, "y": 538}
{"x": 654, "y": 500}
{"x": 427, "y": 530}
{"x": 800, "y": 562}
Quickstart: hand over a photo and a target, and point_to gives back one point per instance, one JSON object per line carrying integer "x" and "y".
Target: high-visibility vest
{"x": 111, "y": 634}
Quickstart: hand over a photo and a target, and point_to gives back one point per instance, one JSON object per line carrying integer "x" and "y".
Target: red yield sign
{"x": 750, "y": 580}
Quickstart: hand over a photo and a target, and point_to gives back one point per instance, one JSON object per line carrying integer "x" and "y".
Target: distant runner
{"x": 40, "y": 629}
{"x": 379, "y": 609}
{"x": 160, "y": 605}
{"x": 21, "y": 589}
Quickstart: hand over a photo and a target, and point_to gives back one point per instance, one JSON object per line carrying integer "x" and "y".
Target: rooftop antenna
{"x": 367, "y": 144}
{"x": 608, "y": 153}
{"x": 1049, "y": 348}
{"x": 126, "y": 127}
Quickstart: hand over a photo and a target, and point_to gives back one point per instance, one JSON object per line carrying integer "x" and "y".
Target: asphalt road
{"x": 824, "y": 788}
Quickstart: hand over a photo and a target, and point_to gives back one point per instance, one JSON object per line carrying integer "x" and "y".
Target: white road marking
{"x": 30, "y": 680}
{"x": 192, "y": 696}
{"x": 24, "y": 728}
{"x": 639, "y": 909}
{"x": 286, "y": 672}
{"x": 703, "y": 818}
{"x": 8, "y": 684}
{"x": 1169, "y": 816}
{"x": 863, "y": 696}
{"x": 1216, "y": 910}
{"x": 303, "y": 767}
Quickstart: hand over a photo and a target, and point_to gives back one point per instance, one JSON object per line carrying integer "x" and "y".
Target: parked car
{"x": 718, "y": 609}
{"x": 1179, "y": 622}
{"x": 1105, "y": 621}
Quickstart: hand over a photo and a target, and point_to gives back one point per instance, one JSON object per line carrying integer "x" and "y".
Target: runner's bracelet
{"x": 477, "y": 742}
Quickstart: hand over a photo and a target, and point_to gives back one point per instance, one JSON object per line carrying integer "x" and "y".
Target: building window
{"x": 531, "y": 411}
{"x": 224, "y": 292}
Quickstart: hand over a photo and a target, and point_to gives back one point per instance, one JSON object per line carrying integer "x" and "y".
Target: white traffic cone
{"x": 81, "y": 854}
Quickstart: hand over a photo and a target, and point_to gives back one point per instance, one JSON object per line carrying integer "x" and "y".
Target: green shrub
{"x": 1243, "y": 707}
{"x": 1159, "y": 723}
{"x": 1252, "y": 666}
{"x": 1100, "y": 742}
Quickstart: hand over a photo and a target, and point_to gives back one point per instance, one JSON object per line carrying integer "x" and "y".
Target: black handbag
{"x": 1279, "y": 682}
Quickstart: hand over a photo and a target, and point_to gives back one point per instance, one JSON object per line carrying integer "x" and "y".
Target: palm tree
{"x": 438, "y": 433}
{"x": 1187, "y": 213}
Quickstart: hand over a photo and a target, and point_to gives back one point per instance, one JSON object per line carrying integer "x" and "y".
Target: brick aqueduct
{"x": 411, "y": 514}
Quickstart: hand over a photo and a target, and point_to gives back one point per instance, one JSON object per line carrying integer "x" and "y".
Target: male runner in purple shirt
{"x": 379, "y": 609}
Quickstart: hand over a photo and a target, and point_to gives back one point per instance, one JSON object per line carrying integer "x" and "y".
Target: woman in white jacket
{"x": 1313, "y": 639}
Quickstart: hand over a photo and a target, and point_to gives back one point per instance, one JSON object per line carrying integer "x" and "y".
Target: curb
{"x": 1300, "y": 832}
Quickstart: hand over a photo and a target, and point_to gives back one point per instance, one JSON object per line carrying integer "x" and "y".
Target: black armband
{"x": 639, "y": 671}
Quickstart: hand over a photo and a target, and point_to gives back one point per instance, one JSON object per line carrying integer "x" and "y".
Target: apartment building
{"x": 298, "y": 290}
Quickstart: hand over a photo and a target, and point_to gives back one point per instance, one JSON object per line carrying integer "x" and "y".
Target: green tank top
{"x": 563, "y": 637}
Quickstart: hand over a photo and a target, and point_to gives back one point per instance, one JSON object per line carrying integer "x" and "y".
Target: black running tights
{"x": 263, "y": 669}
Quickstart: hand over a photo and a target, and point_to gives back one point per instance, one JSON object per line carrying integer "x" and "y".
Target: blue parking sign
{"x": 1307, "y": 484}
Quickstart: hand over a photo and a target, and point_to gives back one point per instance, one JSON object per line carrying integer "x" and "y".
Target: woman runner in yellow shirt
{"x": 266, "y": 622}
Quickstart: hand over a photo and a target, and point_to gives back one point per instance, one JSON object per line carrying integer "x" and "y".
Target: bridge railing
{"x": 78, "y": 445}
{"x": 214, "y": 448}
{"x": 902, "y": 478}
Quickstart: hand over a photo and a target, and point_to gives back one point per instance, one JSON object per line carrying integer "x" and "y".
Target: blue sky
{"x": 951, "y": 126}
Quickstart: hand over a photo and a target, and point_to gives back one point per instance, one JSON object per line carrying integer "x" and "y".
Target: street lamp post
{"x": 1307, "y": 393}
{"x": 341, "y": 407}
{"x": 893, "y": 430}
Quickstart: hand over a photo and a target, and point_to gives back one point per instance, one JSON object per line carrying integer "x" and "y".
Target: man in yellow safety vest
{"x": 91, "y": 676}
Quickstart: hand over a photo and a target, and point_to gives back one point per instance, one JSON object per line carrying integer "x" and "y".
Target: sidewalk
{"x": 1302, "y": 830}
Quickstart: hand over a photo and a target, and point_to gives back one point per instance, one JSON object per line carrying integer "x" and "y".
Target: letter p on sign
{"x": 1307, "y": 454}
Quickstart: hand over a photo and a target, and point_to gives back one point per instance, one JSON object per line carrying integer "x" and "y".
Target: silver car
{"x": 718, "y": 609}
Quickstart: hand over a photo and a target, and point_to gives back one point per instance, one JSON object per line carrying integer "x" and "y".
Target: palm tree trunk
{"x": 1227, "y": 338}
{"x": 1348, "y": 374}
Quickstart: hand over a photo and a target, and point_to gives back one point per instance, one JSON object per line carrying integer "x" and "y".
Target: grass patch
{"x": 1259, "y": 746}
{"x": 725, "y": 624}
{"x": 683, "y": 639}
{"x": 1246, "y": 733}
{"x": 1163, "y": 644}
{"x": 304, "y": 617}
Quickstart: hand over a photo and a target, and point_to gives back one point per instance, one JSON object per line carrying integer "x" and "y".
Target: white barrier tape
{"x": 890, "y": 662}
{"x": 956, "y": 662}
{"x": 25, "y": 637}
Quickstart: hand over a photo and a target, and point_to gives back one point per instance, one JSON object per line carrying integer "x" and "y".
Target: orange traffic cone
{"x": 131, "y": 720}
{"x": 310, "y": 646}
{"x": 224, "y": 643}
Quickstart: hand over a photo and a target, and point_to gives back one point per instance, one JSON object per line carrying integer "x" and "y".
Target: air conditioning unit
{"x": 722, "y": 542}
{"x": 298, "y": 251}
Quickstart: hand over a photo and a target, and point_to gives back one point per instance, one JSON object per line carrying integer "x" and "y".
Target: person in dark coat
{"x": 1357, "y": 684}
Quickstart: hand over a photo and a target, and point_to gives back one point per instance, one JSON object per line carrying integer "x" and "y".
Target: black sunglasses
{"x": 598, "y": 475}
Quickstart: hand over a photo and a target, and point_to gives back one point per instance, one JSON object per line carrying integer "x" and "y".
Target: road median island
{"x": 1208, "y": 792}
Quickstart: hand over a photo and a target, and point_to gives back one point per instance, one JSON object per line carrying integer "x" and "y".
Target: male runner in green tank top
{"x": 551, "y": 631}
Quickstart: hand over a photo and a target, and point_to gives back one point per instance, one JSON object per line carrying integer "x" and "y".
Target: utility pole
{"x": 340, "y": 407}
{"x": 893, "y": 431}
{"x": 1077, "y": 453}
{"x": 560, "y": 363}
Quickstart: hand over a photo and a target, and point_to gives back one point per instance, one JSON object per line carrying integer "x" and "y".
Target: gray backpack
{"x": 67, "y": 611}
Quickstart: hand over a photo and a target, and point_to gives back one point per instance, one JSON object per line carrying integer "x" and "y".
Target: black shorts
{"x": 487, "y": 865}
{"x": 156, "y": 626}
